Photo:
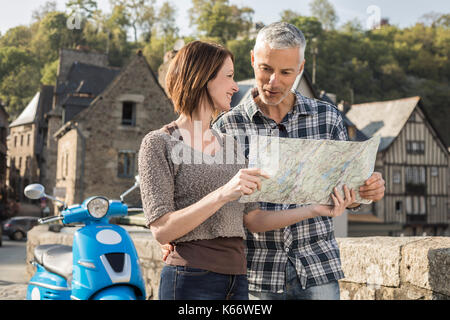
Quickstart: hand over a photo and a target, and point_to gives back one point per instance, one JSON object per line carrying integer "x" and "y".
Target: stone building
{"x": 26, "y": 143}
{"x": 97, "y": 148}
{"x": 64, "y": 88}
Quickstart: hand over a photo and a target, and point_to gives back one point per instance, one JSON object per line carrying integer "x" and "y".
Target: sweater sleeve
{"x": 156, "y": 178}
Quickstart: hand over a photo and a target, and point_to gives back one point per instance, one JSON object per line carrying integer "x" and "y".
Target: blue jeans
{"x": 294, "y": 290}
{"x": 186, "y": 283}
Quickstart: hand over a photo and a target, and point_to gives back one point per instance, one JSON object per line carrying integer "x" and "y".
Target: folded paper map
{"x": 305, "y": 171}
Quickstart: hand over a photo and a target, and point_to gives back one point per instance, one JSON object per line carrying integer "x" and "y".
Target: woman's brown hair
{"x": 189, "y": 72}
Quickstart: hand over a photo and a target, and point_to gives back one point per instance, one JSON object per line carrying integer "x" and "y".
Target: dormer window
{"x": 128, "y": 113}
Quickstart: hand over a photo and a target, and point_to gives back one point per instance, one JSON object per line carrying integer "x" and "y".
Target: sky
{"x": 402, "y": 13}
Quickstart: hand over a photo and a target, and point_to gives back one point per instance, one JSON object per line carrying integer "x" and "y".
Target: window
{"x": 415, "y": 205}
{"x": 434, "y": 171}
{"x": 15, "y": 141}
{"x": 21, "y": 140}
{"x": 28, "y": 139}
{"x": 397, "y": 177}
{"x": 67, "y": 165}
{"x": 415, "y": 175}
{"x": 433, "y": 201}
{"x": 125, "y": 168}
{"x": 398, "y": 206}
{"x": 62, "y": 167}
{"x": 129, "y": 113}
{"x": 415, "y": 147}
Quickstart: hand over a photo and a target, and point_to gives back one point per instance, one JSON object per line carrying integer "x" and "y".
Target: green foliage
{"x": 219, "y": 19}
{"x": 49, "y": 73}
{"x": 155, "y": 50}
{"x": 355, "y": 64}
{"x": 140, "y": 14}
{"x": 242, "y": 63}
{"x": 85, "y": 7}
{"x": 19, "y": 37}
{"x": 52, "y": 35}
{"x": 19, "y": 78}
{"x": 388, "y": 63}
{"x": 324, "y": 11}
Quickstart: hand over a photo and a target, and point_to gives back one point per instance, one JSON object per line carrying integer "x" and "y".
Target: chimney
{"x": 82, "y": 48}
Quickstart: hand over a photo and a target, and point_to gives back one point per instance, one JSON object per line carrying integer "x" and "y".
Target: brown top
{"x": 174, "y": 176}
{"x": 221, "y": 255}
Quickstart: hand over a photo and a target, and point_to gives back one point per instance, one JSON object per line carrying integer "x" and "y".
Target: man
{"x": 300, "y": 261}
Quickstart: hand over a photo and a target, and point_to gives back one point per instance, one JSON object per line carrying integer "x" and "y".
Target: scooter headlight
{"x": 98, "y": 207}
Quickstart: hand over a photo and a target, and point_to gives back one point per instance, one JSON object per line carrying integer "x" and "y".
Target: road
{"x": 12, "y": 269}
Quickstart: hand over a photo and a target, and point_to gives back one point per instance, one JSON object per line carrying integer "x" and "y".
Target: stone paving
{"x": 13, "y": 291}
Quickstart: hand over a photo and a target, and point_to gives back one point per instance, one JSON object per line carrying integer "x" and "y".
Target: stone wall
{"x": 395, "y": 268}
{"x": 376, "y": 268}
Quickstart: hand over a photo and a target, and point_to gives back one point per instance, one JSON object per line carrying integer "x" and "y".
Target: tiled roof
{"x": 384, "y": 118}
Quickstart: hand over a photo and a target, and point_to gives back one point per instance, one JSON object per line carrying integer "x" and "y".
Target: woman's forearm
{"x": 265, "y": 220}
{"x": 176, "y": 224}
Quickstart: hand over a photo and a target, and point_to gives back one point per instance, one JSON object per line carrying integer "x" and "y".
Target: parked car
{"x": 16, "y": 228}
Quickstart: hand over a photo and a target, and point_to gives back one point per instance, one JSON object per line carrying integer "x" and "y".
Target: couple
{"x": 290, "y": 251}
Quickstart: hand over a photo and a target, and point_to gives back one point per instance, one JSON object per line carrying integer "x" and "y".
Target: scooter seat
{"x": 40, "y": 250}
{"x": 56, "y": 259}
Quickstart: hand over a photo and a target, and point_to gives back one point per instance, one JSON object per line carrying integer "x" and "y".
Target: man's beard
{"x": 271, "y": 102}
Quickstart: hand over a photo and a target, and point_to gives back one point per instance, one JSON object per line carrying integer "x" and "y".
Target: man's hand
{"x": 166, "y": 250}
{"x": 340, "y": 203}
{"x": 373, "y": 188}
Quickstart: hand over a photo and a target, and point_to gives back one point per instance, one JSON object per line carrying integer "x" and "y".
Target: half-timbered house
{"x": 414, "y": 162}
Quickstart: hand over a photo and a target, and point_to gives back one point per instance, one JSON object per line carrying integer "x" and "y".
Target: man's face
{"x": 275, "y": 72}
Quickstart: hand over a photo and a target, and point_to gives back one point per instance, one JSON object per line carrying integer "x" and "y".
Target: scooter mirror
{"x": 34, "y": 191}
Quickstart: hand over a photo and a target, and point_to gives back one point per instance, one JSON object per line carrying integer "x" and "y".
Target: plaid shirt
{"x": 310, "y": 244}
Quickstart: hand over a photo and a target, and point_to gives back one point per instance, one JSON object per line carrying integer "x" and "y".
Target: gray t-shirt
{"x": 174, "y": 176}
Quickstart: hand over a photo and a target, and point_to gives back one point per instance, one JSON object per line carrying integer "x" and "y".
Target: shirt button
{"x": 286, "y": 249}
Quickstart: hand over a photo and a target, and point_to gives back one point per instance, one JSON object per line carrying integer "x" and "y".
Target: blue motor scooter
{"x": 102, "y": 263}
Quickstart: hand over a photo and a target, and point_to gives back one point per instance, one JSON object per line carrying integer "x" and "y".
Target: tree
{"x": 52, "y": 35}
{"x": 166, "y": 21}
{"x": 49, "y": 73}
{"x": 310, "y": 26}
{"x": 39, "y": 13}
{"x": 140, "y": 14}
{"x": 19, "y": 37}
{"x": 19, "y": 78}
{"x": 217, "y": 18}
{"x": 241, "y": 51}
{"x": 84, "y": 7}
{"x": 324, "y": 11}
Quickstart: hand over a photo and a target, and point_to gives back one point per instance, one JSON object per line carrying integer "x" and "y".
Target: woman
{"x": 190, "y": 188}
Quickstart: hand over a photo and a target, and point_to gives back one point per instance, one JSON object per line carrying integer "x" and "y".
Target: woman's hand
{"x": 245, "y": 182}
{"x": 340, "y": 204}
{"x": 166, "y": 250}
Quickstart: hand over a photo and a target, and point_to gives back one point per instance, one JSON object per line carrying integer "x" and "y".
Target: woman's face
{"x": 222, "y": 87}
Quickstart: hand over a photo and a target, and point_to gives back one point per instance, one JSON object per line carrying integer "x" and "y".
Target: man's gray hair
{"x": 281, "y": 35}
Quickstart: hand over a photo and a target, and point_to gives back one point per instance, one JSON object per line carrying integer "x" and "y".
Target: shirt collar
{"x": 302, "y": 105}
